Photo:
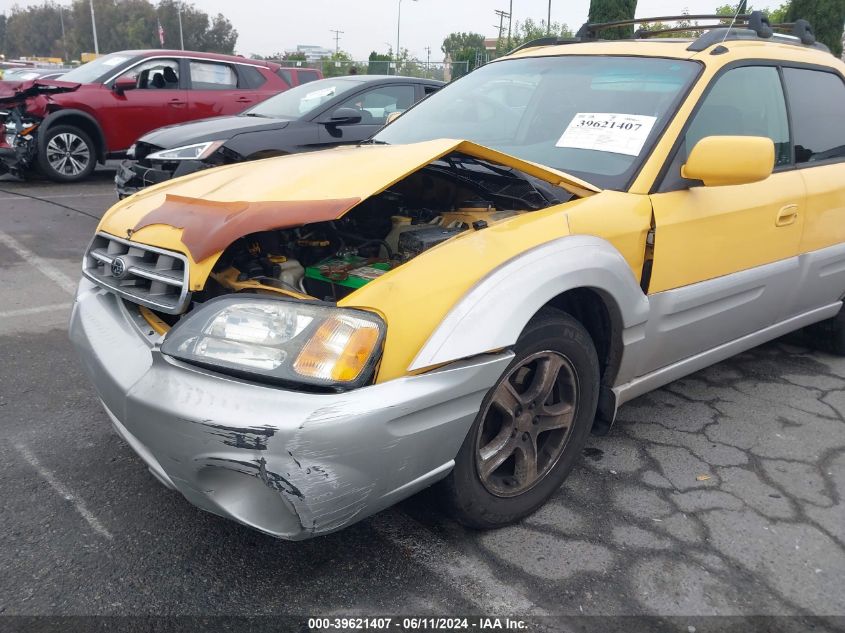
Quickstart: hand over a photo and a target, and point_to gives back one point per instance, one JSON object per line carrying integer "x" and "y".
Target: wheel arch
{"x": 584, "y": 276}
{"x": 83, "y": 121}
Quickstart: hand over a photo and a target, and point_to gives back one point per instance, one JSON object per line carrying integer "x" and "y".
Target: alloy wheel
{"x": 68, "y": 154}
{"x": 526, "y": 424}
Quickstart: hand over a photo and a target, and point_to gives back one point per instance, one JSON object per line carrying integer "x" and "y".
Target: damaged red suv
{"x": 64, "y": 127}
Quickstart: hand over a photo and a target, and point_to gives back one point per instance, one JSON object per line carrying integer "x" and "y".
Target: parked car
{"x": 26, "y": 74}
{"x": 97, "y": 111}
{"x": 300, "y": 342}
{"x": 326, "y": 113}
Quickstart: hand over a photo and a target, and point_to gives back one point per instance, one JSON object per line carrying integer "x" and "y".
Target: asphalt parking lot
{"x": 721, "y": 494}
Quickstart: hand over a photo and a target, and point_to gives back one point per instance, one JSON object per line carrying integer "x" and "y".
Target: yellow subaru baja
{"x": 299, "y": 342}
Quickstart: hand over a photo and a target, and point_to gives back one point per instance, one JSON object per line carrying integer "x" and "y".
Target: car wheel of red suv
{"x": 66, "y": 154}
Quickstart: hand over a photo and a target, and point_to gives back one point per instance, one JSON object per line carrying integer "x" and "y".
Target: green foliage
{"x": 612, "y": 11}
{"x": 339, "y": 63}
{"x": 528, "y": 30}
{"x": 776, "y": 16}
{"x": 2, "y": 31}
{"x": 827, "y": 18}
{"x": 467, "y": 48}
{"x": 292, "y": 57}
{"x": 379, "y": 63}
{"x": 35, "y": 30}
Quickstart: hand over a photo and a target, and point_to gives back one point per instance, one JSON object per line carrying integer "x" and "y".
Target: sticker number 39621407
{"x": 607, "y": 132}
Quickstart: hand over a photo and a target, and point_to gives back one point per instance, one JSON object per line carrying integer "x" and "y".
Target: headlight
{"x": 197, "y": 151}
{"x": 280, "y": 341}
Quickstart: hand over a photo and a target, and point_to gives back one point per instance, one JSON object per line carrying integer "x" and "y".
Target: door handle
{"x": 787, "y": 215}
{"x": 243, "y": 100}
{"x": 177, "y": 101}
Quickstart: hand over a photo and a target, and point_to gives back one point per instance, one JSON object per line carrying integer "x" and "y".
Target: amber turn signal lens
{"x": 339, "y": 350}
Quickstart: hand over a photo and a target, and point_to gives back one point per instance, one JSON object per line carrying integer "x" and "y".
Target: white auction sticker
{"x": 607, "y": 132}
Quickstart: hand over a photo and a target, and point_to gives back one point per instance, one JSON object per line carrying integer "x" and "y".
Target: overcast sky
{"x": 269, "y": 26}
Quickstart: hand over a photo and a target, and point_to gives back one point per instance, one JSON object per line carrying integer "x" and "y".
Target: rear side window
{"x": 284, "y": 73}
{"x": 745, "y": 101}
{"x": 817, "y": 101}
{"x": 211, "y": 76}
{"x": 306, "y": 76}
{"x": 251, "y": 77}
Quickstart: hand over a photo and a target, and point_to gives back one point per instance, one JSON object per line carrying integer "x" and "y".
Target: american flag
{"x": 160, "y": 33}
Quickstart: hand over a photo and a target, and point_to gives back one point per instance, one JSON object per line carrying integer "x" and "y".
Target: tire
{"x": 481, "y": 494}
{"x": 837, "y": 331}
{"x": 66, "y": 154}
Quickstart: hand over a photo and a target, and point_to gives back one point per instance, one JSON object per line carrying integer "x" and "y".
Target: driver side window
{"x": 377, "y": 104}
{"x": 156, "y": 74}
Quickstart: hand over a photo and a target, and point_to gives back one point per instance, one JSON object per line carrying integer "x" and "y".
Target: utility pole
{"x": 181, "y": 35}
{"x": 337, "y": 35}
{"x": 549, "y": 19}
{"x": 62, "y": 21}
{"x": 398, "y": 27}
{"x": 510, "y": 20}
{"x": 94, "y": 29}
{"x": 427, "y": 60}
{"x": 502, "y": 15}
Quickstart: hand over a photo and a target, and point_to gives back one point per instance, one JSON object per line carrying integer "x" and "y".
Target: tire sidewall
{"x": 47, "y": 169}
{"x": 472, "y": 502}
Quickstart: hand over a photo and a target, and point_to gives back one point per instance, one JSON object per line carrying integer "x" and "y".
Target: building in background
{"x": 312, "y": 53}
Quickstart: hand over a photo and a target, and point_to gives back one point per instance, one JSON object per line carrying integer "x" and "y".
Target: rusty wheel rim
{"x": 526, "y": 424}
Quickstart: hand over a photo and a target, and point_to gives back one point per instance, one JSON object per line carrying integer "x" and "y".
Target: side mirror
{"x": 393, "y": 116}
{"x": 730, "y": 160}
{"x": 344, "y": 116}
{"x": 122, "y": 84}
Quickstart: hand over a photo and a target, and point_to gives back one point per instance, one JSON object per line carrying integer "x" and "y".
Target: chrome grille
{"x": 150, "y": 276}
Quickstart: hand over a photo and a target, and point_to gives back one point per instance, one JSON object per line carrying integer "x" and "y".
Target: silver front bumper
{"x": 290, "y": 464}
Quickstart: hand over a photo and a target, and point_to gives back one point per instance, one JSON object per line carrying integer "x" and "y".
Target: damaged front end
{"x": 23, "y": 107}
{"x": 255, "y": 353}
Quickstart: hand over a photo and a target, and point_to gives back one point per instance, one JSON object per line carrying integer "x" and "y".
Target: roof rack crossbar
{"x": 750, "y": 26}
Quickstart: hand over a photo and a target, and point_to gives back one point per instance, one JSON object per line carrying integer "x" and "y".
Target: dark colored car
{"x": 64, "y": 127}
{"x": 325, "y": 113}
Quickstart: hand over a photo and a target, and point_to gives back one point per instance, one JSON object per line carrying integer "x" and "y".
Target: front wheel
{"x": 66, "y": 154}
{"x": 531, "y": 428}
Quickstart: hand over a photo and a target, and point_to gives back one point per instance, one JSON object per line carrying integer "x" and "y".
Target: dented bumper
{"x": 290, "y": 464}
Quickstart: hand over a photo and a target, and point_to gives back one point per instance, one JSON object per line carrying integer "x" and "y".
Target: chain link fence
{"x": 441, "y": 71}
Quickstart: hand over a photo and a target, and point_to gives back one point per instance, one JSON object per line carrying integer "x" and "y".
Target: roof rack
{"x": 751, "y": 26}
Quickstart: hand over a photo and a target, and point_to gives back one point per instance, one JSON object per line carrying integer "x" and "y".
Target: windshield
{"x": 301, "y": 100}
{"x": 593, "y": 117}
{"x": 93, "y": 70}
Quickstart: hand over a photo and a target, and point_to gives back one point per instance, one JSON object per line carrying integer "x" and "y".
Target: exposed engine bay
{"x": 329, "y": 260}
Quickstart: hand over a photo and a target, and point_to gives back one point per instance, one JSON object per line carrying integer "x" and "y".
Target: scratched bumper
{"x": 290, "y": 464}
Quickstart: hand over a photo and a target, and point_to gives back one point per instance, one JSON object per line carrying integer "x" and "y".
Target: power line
{"x": 502, "y": 15}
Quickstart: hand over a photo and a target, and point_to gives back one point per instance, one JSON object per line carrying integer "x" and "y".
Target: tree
{"x": 292, "y": 57}
{"x": 467, "y": 48}
{"x": 826, "y": 17}
{"x": 379, "y": 63}
{"x": 528, "y": 30}
{"x": 2, "y": 32}
{"x": 338, "y": 63}
{"x": 121, "y": 24}
{"x": 776, "y": 16}
{"x": 613, "y": 11}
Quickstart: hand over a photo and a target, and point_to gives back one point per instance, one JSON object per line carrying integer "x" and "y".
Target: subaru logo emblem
{"x": 118, "y": 268}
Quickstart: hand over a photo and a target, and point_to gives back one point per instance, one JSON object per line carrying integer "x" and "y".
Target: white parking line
{"x": 64, "y": 491}
{"x": 470, "y": 577}
{"x": 8, "y": 314}
{"x": 56, "y": 275}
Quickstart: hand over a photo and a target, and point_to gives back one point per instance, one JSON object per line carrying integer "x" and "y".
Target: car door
{"x": 159, "y": 99}
{"x": 725, "y": 257}
{"x": 375, "y": 105}
{"x": 214, "y": 90}
{"x": 817, "y": 106}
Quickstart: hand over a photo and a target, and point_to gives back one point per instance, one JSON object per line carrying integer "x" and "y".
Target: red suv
{"x": 96, "y": 111}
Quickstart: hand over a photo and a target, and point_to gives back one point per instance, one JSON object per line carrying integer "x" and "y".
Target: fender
{"x": 495, "y": 311}
{"x": 56, "y": 117}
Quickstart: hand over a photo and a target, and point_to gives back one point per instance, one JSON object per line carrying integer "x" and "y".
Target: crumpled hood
{"x": 290, "y": 191}
{"x": 13, "y": 91}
